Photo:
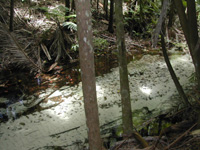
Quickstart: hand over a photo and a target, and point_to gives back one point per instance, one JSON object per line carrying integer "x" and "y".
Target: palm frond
{"x": 11, "y": 46}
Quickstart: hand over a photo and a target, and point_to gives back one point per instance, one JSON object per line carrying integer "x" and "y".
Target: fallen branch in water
{"x": 53, "y": 135}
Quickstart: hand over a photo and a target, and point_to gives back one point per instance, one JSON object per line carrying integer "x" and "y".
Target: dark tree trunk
{"x": 97, "y": 5}
{"x": 67, "y": 5}
{"x": 172, "y": 73}
{"x": 124, "y": 83}
{"x": 73, "y": 8}
{"x": 183, "y": 19}
{"x": 11, "y": 14}
{"x": 193, "y": 37}
{"x": 86, "y": 55}
{"x": 105, "y": 6}
{"x": 189, "y": 25}
{"x": 110, "y": 26}
{"x": 171, "y": 15}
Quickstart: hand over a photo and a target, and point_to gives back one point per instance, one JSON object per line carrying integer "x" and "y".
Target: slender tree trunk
{"x": 124, "y": 83}
{"x": 97, "y": 5}
{"x": 171, "y": 15}
{"x": 173, "y": 75}
{"x": 189, "y": 25}
{"x": 193, "y": 37}
{"x": 106, "y": 8}
{"x": 67, "y": 5}
{"x": 110, "y": 26}
{"x": 192, "y": 23}
{"x": 141, "y": 10}
{"x": 183, "y": 19}
{"x": 11, "y": 14}
{"x": 86, "y": 55}
{"x": 73, "y": 6}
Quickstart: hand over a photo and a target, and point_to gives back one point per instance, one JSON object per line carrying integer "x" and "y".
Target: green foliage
{"x": 70, "y": 25}
{"x": 100, "y": 43}
{"x": 141, "y": 19}
{"x": 184, "y": 3}
{"x": 57, "y": 14}
{"x": 75, "y": 47}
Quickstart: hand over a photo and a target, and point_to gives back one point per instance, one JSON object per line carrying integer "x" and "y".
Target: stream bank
{"x": 64, "y": 126}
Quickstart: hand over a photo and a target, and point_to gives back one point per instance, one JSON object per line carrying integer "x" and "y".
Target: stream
{"x": 61, "y": 122}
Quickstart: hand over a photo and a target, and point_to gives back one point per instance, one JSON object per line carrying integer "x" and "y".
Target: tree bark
{"x": 97, "y": 5}
{"x": 183, "y": 19}
{"x": 192, "y": 23}
{"x": 67, "y": 5}
{"x": 105, "y": 7}
{"x": 124, "y": 83}
{"x": 189, "y": 25}
{"x": 193, "y": 37}
{"x": 11, "y": 14}
{"x": 86, "y": 55}
{"x": 171, "y": 15}
{"x": 110, "y": 26}
{"x": 73, "y": 6}
{"x": 172, "y": 73}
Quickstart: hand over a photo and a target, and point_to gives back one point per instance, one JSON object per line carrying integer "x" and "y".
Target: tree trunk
{"x": 172, "y": 73}
{"x": 110, "y": 26}
{"x": 73, "y": 8}
{"x": 124, "y": 83}
{"x": 183, "y": 19}
{"x": 193, "y": 37}
{"x": 11, "y": 14}
{"x": 189, "y": 25}
{"x": 97, "y": 5}
{"x": 106, "y": 8}
{"x": 67, "y": 5}
{"x": 86, "y": 55}
{"x": 171, "y": 15}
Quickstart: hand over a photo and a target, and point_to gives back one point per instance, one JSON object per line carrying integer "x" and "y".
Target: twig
{"x": 53, "y": 135}
{"x": 185, "y": 142}
{"x": 180, "y": 137}
{"x": 122, "y": 143}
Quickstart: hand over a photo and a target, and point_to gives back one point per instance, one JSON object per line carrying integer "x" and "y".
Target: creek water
{"x": 60, "y": 119}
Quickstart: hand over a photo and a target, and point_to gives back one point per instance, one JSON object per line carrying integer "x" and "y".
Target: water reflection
{"x": 145, "y": 90}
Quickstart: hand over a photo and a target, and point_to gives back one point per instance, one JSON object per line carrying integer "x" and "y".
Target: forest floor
{"x": 59, "y": 121}
{"x": 51, "y": 116}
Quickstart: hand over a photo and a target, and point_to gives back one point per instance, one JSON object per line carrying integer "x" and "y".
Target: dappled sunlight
{"x": 184, "y": 59}
{"x": 62, "y": 105}
{"x": 99, "y": 89}
{"x": 36, "y": 20}
{"x": 145, "y": 90}
{"x": 150, "y": 86}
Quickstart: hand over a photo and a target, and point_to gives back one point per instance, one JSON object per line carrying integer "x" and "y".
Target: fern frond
{"x": 70, "y": 25}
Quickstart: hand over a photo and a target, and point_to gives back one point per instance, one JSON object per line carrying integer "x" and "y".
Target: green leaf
{"x": 70, "y": 25}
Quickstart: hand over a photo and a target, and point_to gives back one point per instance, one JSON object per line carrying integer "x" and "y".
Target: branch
{"x": 162, "y": 18}
{"x": 53, "y": 135}
{"x": 180, "y": 137}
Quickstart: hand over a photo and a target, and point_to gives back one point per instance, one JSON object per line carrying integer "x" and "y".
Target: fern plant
{"x": 100, "y": 43}
{"x": 70, "y": 25}
{"x": 140, "y": 17}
